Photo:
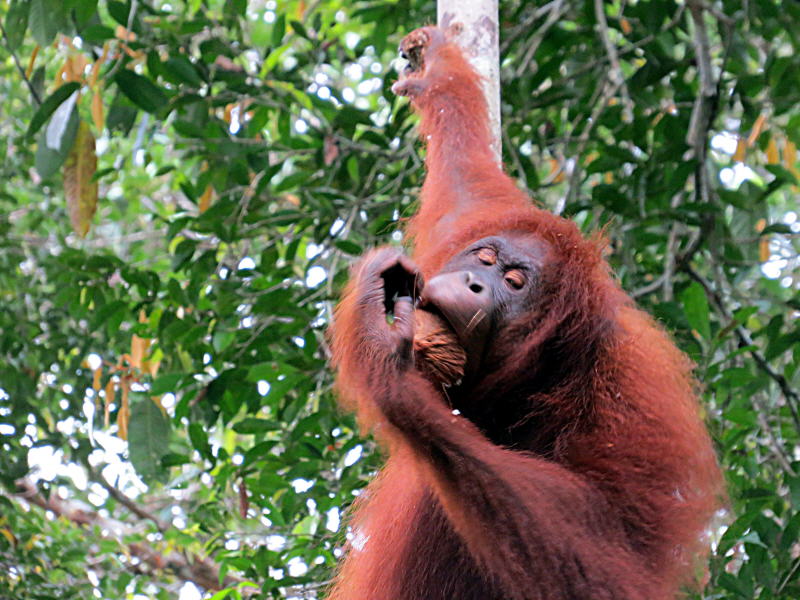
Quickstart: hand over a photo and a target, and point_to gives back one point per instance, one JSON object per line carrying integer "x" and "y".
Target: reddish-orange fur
{"x": 580, "y": 467}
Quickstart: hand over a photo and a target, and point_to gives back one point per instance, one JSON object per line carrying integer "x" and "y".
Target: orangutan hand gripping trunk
{"x": 576, "y": 466}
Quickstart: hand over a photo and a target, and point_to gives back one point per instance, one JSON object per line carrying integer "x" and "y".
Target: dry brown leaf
{"x": 97, "y": 375}
{"x": 330, "y": 150}
{"x": 123, "y": 34}
{"x": 139, "y": 345}
{"x": 772, "y": 152}
{"x": 790, "y": 156}
{"x": 763, "y": 249}
{"x": 98, "y": 118}
{"x": 206, "y": 198}
{"x": 741, "y": 150}
{"x": 758, "y": 126}
{"x": 97, "y": 65}
{"x": 124, "y": 414}
{"x": 31, "y": 62}
{"x": 79, "y": 186}
{"x": 108, "y": 399}
{"x": 244, "y": 502}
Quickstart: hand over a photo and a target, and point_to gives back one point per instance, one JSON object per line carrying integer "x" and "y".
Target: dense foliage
{"x": 183, "y": 185}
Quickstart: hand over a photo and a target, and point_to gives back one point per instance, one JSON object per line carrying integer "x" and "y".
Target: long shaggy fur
{"x": 580, "y": 467}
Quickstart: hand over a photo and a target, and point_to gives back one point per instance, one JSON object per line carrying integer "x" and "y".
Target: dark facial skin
{"x": 484, "y": 287}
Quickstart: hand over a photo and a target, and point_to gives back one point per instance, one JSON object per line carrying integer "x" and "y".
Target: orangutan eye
{"x": 515, "y": 279}
{"x": 487, "y": 256}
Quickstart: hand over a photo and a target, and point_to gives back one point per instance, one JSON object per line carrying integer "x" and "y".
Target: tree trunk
{"x": 476, "y": 24}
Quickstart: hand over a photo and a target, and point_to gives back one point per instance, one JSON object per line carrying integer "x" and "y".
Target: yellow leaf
{"x": 139, "y": 346}
{"x": 98, "y": 373}
{"x": 772, "y": 152}
{"x": 109, "y": 399}
{"x": 151, "y": 364}
{"x": 32, "y": 541}
{"x": 205, "y": 199}
{"x": 31, "y": 62}
{"x": 608, "y": 177}
{"x": 59, "y": 78}
{"x": 74, "y": 67}
{"x": 756, "y": 131}
{"x": 555, "y": 169}
{"x": 741, "y": 150}
{"x": 789, "y": 154}
{"x": 763, "y": 249}
{"x": 79, "y": 187}
{"x": 98, "y": 118}
{"x": 96, "y": 66}
{"x": 124, "y": 414}
{"x": 9, "y": 536}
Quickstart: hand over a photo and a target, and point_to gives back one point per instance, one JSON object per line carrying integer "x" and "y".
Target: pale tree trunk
{"x": 476, "y": 24}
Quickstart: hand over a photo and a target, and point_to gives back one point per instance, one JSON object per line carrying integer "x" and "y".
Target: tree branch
{"x": 615, "y": 73}
{"x": 202, "y": 571}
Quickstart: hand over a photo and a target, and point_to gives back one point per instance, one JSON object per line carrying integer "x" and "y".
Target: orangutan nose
{"x": 474, "y": 283}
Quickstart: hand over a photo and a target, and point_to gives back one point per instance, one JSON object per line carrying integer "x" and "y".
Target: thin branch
{"x": 128, "y": 30}
{"x": 616, "y": 75}
{"x": 590, "y": 66}
{"x": 557, "y": 9}
{"x": 609, "y": 89}
{"x": 777, "y": 448}
{"x": 525, "y": 25}
{"x": 120, "y": 497}
{"x": 202, "y": 571}
{"x": 21, "y": 70}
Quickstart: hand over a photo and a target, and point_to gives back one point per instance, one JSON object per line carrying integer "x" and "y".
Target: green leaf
{"x": 278, "y": 30}
{"x": 199, "y": 439}
{"x": 49, "y": 160}
{"x": 16, "y": 23}
{"x": 141, "y": 91}
{"x": 166, "y": 384}
{"x": 148, "y": 438}
{"x": 695, "y": 307}
{"x": 253, "y": 425}
{"x": 50, "y": 105}
{"x": 182, "y": 70}
{"x": 46, "y": 19}
{"x": 222, "y": 339}
{"x": 349, "y": 247}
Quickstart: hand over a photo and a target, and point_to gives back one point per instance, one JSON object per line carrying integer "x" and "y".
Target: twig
{"x": 702, "y": 110}
{"x": 557, "y": 9}
{"x": 202, "y": 571}
{"x": 615, "y": 73}
{"x": 120, "y": 497}
{"x": 515, "y": 159}
{"x": 609, "y": 89}
{"x": 21, "y": 70}
{"x": 131, "y": 14}
{"x": 525, "y": 25}
{"x": 777, "y": 448}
